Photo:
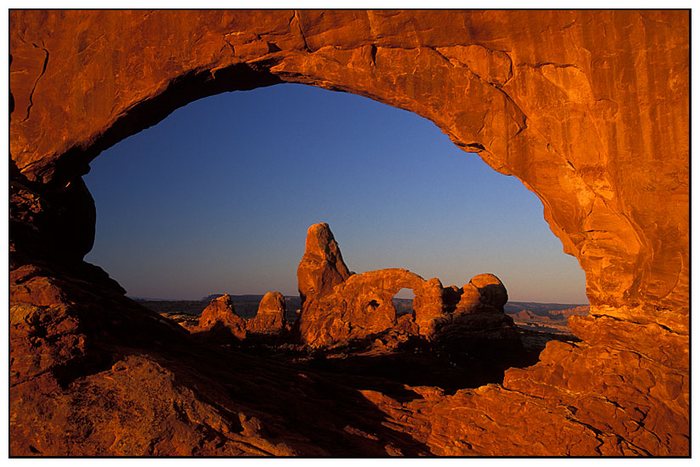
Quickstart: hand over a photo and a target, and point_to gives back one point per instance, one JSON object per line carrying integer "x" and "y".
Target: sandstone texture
{"x": 361, "y": 306}
{"x": 270, "y": 318}
{"x": 590, "y": 109}
{"x": 478, "y": 324}
{"x": 322, "y": 266}
{"x": 220, "y": 315}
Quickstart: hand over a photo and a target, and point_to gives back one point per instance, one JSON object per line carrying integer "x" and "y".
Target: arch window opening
{"x": 216, "y": 199}
{"x": 403, "y": 302}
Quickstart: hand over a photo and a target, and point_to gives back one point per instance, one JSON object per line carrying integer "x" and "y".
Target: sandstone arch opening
{"x": 403, "y": 301}
{"x": 225, "y": 212}
{"x": 401, "y": 219}
{"x": 549, "y": 114}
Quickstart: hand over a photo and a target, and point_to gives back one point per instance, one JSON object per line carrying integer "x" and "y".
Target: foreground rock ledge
{"x": 589, "y": 109}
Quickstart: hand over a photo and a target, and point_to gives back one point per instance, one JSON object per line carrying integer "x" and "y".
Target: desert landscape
{"x": 589, "y": 109}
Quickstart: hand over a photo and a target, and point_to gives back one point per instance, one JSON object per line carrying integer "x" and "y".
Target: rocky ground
{"x": 537, "y": 323}
{"x": 369, "y": 364}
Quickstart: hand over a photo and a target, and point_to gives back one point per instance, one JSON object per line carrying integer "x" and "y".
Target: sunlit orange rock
{"x": 362, "y": 305}
{"x": 322, "y": 266}
{"x": 270, "y": 318}
{"x": 220, "y": 314}
{"x": 590, "y": 109}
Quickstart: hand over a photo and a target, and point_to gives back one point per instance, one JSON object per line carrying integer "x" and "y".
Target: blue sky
{"x": 218, "y": 196}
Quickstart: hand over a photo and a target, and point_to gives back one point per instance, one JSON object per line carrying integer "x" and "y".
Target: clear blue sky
{"x": 218, "y": 197}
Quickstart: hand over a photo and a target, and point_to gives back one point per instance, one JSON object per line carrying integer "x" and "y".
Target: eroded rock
{"x": 322, "y": 266}
{"x": 361, "y": 306}
{"x": 577, "y": 104}
{"x": 270, "y": 318}
{"x": 220, "y": 315}
{"x": 340, "y": 307}
{"x": 357, "y": 308}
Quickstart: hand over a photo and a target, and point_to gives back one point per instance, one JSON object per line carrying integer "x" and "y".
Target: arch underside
{"x": 537, "y": 94}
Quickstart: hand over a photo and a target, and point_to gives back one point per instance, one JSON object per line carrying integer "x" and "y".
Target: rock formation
{"x": 270, "y": 318}
{"x": 362, "y": 305}
{"x": 576, "y": 104}
{"x": 478, "y": 324}
{"x": 322, "y": 266}
{"x": 357, "y": 308}
{"x": 491, "y": 292}
{"x": 340, "y": 307}
{"x": 220, "y": 315}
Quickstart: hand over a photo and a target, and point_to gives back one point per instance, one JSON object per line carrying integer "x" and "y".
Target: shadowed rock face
{"x": 492, "y": 293}
{"x": 590, "y": 109}
{"x": 478, "y": 324}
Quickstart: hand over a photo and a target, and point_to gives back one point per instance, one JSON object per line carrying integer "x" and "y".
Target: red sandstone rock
{"x": 576, "y": 104}
{"x": 340, "y": 307}
{"x": 322, "y": 266}
{"x": 555, "y": 115}
{"x": 484, "y": 292}
{"x": 221, "y": 314}
{"x": 96, "y": 374}
{"x": 270, "y": 318}
{"x": 428, "y": 306}
{"x": 362, "y": 306}
{"x": 356, "y": 308}
{"x": 399, "y": 334}
{"x": 469, "y": 299}
{"x": 492, "y": 292}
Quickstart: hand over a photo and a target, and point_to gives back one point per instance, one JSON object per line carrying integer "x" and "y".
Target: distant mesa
{"x": 551, "y": 318}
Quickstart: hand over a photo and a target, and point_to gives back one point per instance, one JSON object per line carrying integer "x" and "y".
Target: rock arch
{"x": 362, "y": 305}
{"x": 578, "y": 105}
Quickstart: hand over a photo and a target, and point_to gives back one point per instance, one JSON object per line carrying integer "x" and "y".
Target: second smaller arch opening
{"x": 403, "y": 301}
